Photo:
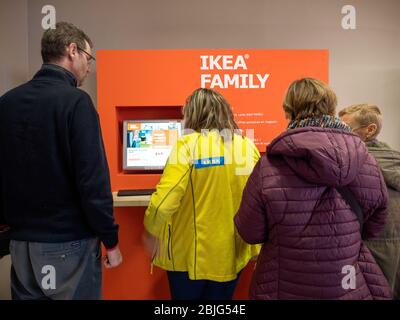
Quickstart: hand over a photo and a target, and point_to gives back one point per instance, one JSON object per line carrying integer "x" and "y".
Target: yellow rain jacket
{"x": 192, "y": 210}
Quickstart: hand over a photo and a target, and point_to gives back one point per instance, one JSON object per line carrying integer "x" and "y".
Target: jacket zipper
{"x": 169, "y": 241}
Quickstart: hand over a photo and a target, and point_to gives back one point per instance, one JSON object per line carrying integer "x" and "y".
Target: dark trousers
{"x": 182, "y": 288}
{"x": 60, "y": 271}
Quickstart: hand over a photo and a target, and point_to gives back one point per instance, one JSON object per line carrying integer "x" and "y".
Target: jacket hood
{"x": 323, "y": 156}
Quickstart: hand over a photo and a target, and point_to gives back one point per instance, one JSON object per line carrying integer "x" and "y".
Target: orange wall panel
{"x": 154, "y": 84}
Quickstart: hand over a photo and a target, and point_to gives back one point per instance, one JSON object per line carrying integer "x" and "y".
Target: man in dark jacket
{"x": 55, "y": 190}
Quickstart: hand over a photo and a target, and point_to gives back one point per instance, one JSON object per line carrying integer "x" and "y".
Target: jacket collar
{"x": 55, "y": 72}
{"x": 323, "y": 121}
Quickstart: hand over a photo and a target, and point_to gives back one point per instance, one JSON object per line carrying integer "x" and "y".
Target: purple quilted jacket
{"x": 312, "y": 244}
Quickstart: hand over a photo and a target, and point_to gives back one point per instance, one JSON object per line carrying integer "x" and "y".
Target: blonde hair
{"x": 365, "y": 114}
{"x": 309, "y": 97}
{"x": 206, "y": 109}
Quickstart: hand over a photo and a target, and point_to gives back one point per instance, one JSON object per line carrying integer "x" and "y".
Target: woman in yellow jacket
{"x": 191, "y": 213}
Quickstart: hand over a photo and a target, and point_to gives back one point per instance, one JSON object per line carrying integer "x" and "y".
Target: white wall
{"x": 14, "y": 43}
{"x": 364, "y": 63}
{"x": 13, "y": 71}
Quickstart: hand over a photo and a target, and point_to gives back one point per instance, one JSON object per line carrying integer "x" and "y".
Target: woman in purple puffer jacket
{"x": 312, "y": 247}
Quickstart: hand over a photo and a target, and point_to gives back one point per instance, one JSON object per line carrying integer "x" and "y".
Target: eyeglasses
{"x": 88, "y": 54}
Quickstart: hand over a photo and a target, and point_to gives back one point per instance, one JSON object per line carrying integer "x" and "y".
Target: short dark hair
{"x": 54, "y": 41}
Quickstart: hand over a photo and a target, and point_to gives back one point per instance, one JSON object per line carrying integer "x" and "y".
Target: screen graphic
{"x": 147, "y": 144}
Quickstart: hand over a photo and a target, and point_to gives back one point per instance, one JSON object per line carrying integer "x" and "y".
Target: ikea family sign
{"x": 253, "y": 81}
{"x": 237, "y": 80}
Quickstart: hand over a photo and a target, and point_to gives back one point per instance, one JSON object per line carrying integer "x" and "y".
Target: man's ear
{"x": 72, "y": 50}
{"x": 371, "y": 130}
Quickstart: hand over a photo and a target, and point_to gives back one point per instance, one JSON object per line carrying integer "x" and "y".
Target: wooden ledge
{"x": 131, "y": 201}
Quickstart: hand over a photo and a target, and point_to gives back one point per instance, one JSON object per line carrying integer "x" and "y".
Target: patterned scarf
{"x": 324, "y": 121}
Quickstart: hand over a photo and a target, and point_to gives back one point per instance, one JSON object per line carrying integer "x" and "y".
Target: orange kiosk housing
{"x": 153, "y": 84}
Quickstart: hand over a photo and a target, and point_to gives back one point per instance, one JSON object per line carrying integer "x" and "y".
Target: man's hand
{"x": 113, "y": 258}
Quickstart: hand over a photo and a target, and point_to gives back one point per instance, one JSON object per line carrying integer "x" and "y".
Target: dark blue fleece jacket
{"x": 54, "y": 177}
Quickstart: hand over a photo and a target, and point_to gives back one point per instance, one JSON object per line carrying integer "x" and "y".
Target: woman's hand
{"x": 150, "y": 243}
